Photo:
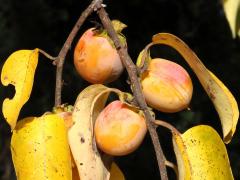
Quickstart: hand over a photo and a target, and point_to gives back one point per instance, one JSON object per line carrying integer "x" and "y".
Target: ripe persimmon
{"x": 95, "y": 57}
{"x": 167, "y": 86}
{"x": 119, "y": 130}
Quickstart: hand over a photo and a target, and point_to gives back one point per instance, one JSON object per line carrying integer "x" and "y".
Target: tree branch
{"x": 136, "y": 88}
{"x": 62, "y": 54}
{"x": 128, "y": 63}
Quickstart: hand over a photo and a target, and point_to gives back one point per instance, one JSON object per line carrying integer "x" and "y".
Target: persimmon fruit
{"x": 119, "y": 130}
{"x": 96, "y": 59}
{"x": 167, "y": 86}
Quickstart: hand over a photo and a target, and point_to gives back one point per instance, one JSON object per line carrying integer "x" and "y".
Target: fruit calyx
{"x": 118, "y": 27}
{"x": 65, "y": 112}
{"x": 62, "y": 108}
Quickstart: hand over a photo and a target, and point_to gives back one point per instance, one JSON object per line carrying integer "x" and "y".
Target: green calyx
{"x": 143, "y": 60}
{"x": 63, "y": 108}
{"x": 118, "y": 27}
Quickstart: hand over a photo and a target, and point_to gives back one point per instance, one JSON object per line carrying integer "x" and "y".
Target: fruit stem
{"x": 47, "y": 55}
{"x": 136, "y": 87}
{"x": 173, "y": 166}
{"x": 167, "y": 125}
{"x": 63, "y": 52}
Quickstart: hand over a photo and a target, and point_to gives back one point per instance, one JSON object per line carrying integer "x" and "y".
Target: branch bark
{"x": 136, "y": 88}
{"x": 63, "y": 52}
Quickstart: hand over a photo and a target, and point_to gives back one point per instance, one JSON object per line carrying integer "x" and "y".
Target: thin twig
{"x": 47, "y": 55}
{"x": 136, "y": 88}
{"x": 173, "y": 166}
{"x": 62, "y": 54}
{"x": 167, "y": 125}
{"x": 174, "y": 131}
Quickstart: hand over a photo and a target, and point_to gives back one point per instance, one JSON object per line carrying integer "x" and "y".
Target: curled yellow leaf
{"x": 231, "y": 9}
{"x": 184, "y": 167}
{"x": 18, "y": 70}
{"x": 223, "y": 100}
{"x": 40, "y": 149}
{"x": 90, "y": 163}
{"x": 201, "y": 154}
{"x": 229, "y": 113}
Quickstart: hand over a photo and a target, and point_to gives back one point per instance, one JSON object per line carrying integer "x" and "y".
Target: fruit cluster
{"x": 117, "y": 129}
{"x": 167, "y": 87}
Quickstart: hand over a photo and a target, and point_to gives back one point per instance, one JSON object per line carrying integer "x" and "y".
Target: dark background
{"x": 46, "y": 24}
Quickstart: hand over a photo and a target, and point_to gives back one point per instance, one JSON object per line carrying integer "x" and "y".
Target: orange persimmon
{"x": 167, "y": 86}
{"x": 119, "y": 130}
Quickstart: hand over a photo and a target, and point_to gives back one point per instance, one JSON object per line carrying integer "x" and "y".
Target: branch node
{"x": 99, "y": 6}
{"x": 55, "y": 62}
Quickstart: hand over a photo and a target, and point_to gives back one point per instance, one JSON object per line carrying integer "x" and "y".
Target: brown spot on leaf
{"x": 48, "y": 138}
{"x": 177, "y": 40}
{"x": 82, "y": 140}
{"x": 212, "y": 96}
{"x": 163, "y": 38}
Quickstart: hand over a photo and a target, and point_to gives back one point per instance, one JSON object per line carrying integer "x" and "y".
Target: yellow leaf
{"x": 231, "y": 9}
{"x": 184, "y": 167}
{"x": 88, "y": 105}
{"x": 206, "y": 153}
{"x": 40, "y": 149}
{"x": 116, "y": 173}
{"x": 232, "y": 112}
{"x": 18, "y": 70}
{"x": 221, "y": 97}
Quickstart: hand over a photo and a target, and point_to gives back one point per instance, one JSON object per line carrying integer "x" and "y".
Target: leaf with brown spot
{"x": 201, "y": 154}
{"x": 40, "y": 148}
